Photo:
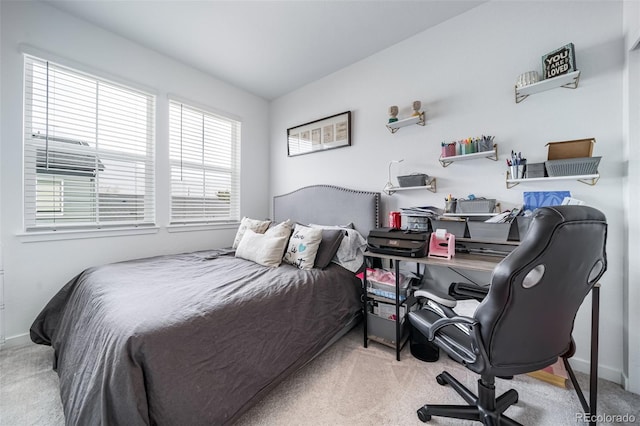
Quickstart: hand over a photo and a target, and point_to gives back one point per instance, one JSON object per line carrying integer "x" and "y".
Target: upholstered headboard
{"x": 329, "y": 205}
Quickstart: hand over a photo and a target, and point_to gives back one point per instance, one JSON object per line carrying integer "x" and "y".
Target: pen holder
{"x": 517, "y": 172}
{"x": 485, "y": 145}
{"x": 449, "y": 150}
{"x": 467, "y": 148}
{"x": 450, "y": 206}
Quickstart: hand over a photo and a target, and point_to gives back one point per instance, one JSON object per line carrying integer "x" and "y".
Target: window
{"x": 88, "y": 151}
{"x": 205, "y": 166}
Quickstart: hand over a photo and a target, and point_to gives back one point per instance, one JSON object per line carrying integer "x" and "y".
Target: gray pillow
{"x": 331, "y": 239}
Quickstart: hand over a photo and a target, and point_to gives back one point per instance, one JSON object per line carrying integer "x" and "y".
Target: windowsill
{"x": 77, "y": 234}
{"x": 189, "y": 227}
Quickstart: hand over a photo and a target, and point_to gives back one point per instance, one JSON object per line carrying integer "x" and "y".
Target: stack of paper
{"x": 426, "y": 211}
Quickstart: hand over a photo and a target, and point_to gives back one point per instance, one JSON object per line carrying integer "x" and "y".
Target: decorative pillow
{"x": 303, "y": 246}
{"x": 281, "y": 229}
{"x": 258, "y": 226}
{"x": 331, "y": 239}
{"x": 262, "y": 248}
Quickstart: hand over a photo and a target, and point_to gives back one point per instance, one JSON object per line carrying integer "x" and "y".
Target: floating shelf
{"x": 430, "y": 186}
{"x": 588, "y": 179}
{"x": 569, "y": 81}
{"x": 491, "y": 155}
{"x": 417, "y": 119}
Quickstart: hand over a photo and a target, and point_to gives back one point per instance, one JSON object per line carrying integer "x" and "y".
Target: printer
{"x": 398, "y": 242}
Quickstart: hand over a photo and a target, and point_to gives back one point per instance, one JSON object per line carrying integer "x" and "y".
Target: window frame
{"x": 144, "y": 208}
{"x": 234, "y": 168}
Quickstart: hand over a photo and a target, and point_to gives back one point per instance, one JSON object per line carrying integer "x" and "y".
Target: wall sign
{"x": 560, "y": 61}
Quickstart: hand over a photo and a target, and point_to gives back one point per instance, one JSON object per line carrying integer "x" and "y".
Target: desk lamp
{"x": 389, "y": 185}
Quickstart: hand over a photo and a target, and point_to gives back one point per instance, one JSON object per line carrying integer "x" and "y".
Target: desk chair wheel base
{"x": 485, "y": 407}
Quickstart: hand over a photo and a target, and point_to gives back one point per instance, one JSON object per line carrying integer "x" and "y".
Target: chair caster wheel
{"x": 440, "y": 380}
{"x": 423, "y": 415}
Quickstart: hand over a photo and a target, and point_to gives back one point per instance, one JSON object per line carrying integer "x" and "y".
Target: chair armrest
{"x": 443, "y": 322}
{"x": 465, "y": 291}
{"x": 436, "y": 297}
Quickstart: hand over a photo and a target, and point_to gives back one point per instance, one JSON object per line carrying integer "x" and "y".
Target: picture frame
{"x": 320, "y": 135}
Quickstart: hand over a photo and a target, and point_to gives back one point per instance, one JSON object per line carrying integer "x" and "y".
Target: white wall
{"x": 34, "y": 271}
{"x": 1, "y": 263}
{"x": 464, "y": 71}
{"x": 631, "y": 128}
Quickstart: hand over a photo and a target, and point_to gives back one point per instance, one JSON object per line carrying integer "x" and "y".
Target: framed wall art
{"x": 320, "y": 135}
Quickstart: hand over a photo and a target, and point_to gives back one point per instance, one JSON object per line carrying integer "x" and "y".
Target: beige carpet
{"x": 346, "y": 385}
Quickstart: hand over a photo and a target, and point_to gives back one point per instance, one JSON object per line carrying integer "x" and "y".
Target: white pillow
{"x": 303, "y": 246}
{"x": 258, "y": 226}
{"x": 264, "y": 249}
{"x": 281, "y": 229}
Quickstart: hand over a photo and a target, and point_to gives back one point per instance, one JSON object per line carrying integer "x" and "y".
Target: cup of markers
{"x": 516, "y": 165}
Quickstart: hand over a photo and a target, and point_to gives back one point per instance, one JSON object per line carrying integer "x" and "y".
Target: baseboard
{"x": 604, "y": 372}
{"x": 629, "y": 385}
{"x": 12, "y": 342}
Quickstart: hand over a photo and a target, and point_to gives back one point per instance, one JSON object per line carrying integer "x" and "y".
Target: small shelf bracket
{"x": 590, "y": 181}
{"x": 491, "y": 155}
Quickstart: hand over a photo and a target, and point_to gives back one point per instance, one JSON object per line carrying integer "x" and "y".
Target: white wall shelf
{"x": 569, "y": 81}
{"x": 491, "y": 155}
{"x": 430, "y": 186}
{"x": 417, "y": 119}
{"x": 588, "y": 179}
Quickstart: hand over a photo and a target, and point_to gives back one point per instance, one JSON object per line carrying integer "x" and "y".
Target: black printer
{"x": 399, "y": 242}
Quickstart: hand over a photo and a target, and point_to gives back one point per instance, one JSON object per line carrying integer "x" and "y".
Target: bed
{"x": 198, "y": 338}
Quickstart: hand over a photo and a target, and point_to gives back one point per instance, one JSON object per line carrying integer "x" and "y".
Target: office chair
{"x": 525, "y": 321}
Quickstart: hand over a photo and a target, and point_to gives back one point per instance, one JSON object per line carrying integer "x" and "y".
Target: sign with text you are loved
{"x": 560, "y": 61}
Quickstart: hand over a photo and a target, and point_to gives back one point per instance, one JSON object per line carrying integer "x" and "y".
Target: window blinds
{"x": 88, "y": 150}
{"x": 205, "y": 166}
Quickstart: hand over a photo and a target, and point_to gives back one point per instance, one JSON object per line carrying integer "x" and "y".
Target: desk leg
{"x": 593, "y": 375}
{"x": 591, "y": 408}
{"x": 398, "y": 332}
{"x": 365, "y": 302}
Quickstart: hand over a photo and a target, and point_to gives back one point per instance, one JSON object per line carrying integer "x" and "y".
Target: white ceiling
{"x": 268, "y": 48}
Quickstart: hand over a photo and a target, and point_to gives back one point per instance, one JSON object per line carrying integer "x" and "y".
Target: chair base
{"x": 484, "y": 407}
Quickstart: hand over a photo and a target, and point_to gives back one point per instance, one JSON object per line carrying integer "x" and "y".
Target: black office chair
{"x": 526, "y": 319}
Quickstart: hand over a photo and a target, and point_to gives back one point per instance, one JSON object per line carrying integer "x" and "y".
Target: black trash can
{"x": 422, "y": 348}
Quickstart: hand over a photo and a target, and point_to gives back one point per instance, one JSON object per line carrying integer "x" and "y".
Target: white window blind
{"x": 88, "y": 151}
{"x": 205, "y": 166}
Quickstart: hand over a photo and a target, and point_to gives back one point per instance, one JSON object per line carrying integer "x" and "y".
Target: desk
{"x": 487, "y": 263}
{"x": 474, "y": 262}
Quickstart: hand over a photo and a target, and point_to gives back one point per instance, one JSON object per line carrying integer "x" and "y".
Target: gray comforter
{"x": 187, "y": 339}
